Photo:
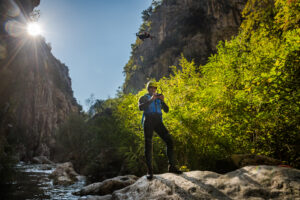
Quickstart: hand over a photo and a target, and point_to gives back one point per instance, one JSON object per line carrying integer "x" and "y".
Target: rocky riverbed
{"x": 250, "y": 182}
{"x": 32, "y": 182}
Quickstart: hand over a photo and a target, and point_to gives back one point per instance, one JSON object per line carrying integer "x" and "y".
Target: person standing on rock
{"x": 152, "y": 104}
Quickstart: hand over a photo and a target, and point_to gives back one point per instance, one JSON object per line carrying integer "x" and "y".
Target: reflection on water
{"x": 32, "y": 183}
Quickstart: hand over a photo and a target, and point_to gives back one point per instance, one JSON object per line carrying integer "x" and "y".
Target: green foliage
{"x": 246, "y": 99}
{"x": 35, "y": 15}
{"x": 7, "y": 162}
{"x": 147, "y": 13}
{"x": 73, "y": 138}
{"x": 7, "y": 153}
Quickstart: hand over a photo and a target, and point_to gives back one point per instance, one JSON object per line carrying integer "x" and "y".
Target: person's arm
{"x": 144, "y": 102}
{"x": 164, "y": 106}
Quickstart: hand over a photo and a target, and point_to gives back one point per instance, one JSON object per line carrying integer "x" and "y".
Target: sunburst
{"x": 34, "y": 29}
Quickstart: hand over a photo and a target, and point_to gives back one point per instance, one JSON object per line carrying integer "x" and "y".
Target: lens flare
{"x": 14, "y": 28}
{"x": 34, "y": 29}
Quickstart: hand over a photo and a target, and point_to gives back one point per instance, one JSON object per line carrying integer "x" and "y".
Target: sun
{"x": 34, "y": 29}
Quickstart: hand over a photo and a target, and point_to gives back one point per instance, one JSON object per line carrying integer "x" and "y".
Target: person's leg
{"x": 148, "y": 133}
{"x": 164, "y": 134}
{"x": 162, "y": 131}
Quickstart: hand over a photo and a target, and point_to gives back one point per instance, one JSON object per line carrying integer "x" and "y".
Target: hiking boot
{"x": 175, "y": 170}
{"x": 149, "y": 176}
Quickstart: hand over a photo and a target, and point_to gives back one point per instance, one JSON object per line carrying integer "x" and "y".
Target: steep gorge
{"x": 35, "y": 87}
{"x": 190, "y": 27}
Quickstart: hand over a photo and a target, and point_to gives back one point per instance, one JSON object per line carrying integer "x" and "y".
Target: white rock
{"x": 252, "y": 182}
{"x": 107, "y": 186}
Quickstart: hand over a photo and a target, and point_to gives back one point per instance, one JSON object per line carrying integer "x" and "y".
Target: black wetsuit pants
{"x": 154, "y": 123}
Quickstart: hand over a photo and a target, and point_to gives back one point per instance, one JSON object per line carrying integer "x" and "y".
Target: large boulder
{"x": 251, "y": 182}
{"x": 108, "y": 186}
{"x": 64, "y": 174}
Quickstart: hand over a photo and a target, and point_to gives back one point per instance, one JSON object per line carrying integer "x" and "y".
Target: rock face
{"x": 64, "y": 174}
{"x": 107, "y": 186}
{"x": 35, "y": 87}
{"x": 252, "y": 182}
{"x": 191, "y": 27}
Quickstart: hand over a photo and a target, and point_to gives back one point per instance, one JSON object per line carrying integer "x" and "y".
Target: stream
{"x": 32, "y": 183}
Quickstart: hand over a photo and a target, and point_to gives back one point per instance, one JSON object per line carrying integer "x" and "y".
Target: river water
{"x": 32, "y": 183}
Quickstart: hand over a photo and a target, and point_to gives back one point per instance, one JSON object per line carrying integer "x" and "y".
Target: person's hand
{"x": 154, "y": 96}
{"x": 162, "y": 97}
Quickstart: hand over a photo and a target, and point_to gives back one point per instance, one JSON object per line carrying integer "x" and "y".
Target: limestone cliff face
{"x": 35, "y": 87}
{"x": 191, "y": 27}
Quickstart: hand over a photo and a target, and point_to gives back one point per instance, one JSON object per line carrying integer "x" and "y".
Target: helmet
{"x": 151, "y": 84}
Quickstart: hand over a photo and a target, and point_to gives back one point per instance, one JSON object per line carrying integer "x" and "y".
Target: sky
{"x": 93, "y": 38}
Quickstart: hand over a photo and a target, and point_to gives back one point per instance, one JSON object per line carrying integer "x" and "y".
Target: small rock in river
{"x": 64, "y": 174}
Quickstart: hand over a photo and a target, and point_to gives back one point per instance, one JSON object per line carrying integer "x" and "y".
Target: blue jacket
{"x": 152, "y": 107}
